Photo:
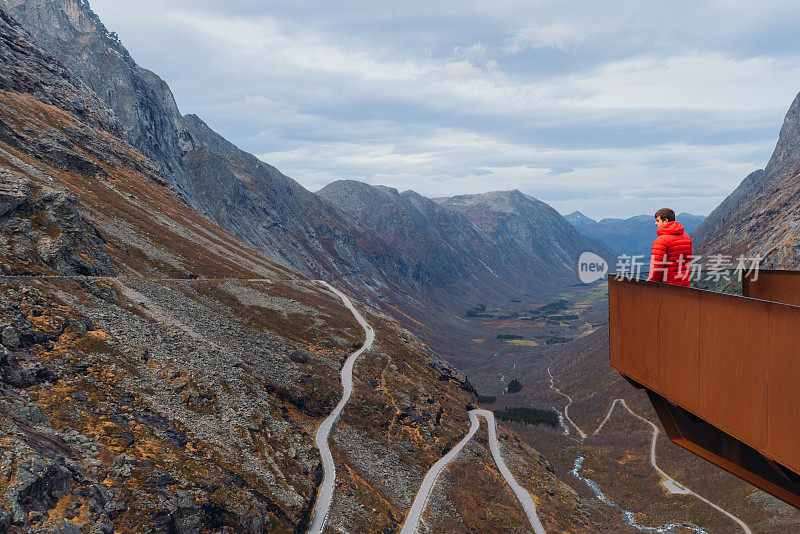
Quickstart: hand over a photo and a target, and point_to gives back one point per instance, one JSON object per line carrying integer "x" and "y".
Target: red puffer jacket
{"x": 671, "y": 254}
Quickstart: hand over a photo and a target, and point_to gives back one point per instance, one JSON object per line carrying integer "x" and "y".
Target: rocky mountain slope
{"x": 440, "y": 244}
{"x": 525, "y": 225}
{"x": 631, "y": 236}
{"x": 142, "y": 102}
{"x": 272, "y": 212}
{"x": 433, "y": 246}
{"x": 179, "y": 387}
{"x": 734, "y": 202}
{"x": 760, "y": 218}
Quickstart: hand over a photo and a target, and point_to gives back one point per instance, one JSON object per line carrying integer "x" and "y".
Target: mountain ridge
{"x": 529, "y": 225}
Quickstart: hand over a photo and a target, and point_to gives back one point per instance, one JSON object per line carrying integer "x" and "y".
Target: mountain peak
{"x": 68, "y": 20}
{"x": 755, "y": 217}
{"x": 353, "y": 196}
{"x": 578, "y": 219}
{"x": 499, "y": 201}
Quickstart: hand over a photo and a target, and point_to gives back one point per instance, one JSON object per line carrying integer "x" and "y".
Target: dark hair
{"x": 665, "y": 214}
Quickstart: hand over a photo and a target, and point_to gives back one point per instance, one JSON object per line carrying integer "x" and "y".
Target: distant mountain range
{"x": 494, "y": 238}
{"x": 631, "y": 236}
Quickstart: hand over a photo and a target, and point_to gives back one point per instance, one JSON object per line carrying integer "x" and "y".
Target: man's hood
{"x": 672, "y": 227}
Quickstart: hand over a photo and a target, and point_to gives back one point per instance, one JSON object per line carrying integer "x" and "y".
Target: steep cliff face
{"x": 786, "y": 156}
{"x": 729, "y": 207}
{"x": 247, "y": 197}
{"x": 760, "y": 218}
{"x": 272, "y": 212}
{"x": 37, "y": 73}
{"x": 141, "y": 101}
{"x": 733, "y": 204}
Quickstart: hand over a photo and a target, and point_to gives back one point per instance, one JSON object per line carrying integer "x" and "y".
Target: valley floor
{"x": 609, "y": 442}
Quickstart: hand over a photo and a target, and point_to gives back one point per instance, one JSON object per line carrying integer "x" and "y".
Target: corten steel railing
{"x": 774, "y": 285}
{"x": 722, "y": 372}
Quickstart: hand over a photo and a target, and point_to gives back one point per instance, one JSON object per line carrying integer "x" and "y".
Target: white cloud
{"x": 477, "y": 50}
{"x": 457, "y": 70}
{"x": 706, "y": 80}
{"x": 558, "y": 35}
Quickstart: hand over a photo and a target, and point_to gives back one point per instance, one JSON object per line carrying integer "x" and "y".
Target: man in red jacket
{"x": 672, "y": 251}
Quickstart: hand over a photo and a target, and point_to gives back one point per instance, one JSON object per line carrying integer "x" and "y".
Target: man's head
{"x": 663, "y": 216}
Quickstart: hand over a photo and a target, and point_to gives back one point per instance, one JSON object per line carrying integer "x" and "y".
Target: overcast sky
{"x": 611, "y": 108}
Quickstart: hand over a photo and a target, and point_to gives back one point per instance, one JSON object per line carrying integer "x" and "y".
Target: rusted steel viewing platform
{"x": 722, "y": 371}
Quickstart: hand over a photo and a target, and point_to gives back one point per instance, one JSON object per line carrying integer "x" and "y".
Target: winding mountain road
{"x": 322, "y": 506}
{"x": 671, "y": 485}
{"x": 420, "y": 503}
{"x": 566, "y": 408}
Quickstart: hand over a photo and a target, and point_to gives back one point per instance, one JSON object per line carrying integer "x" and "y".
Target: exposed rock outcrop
{"x": 41, "y": 226}
{"x": 733, "y": 203}
{"x": 144, "y": 109}
{"x": 39, "y": 74}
